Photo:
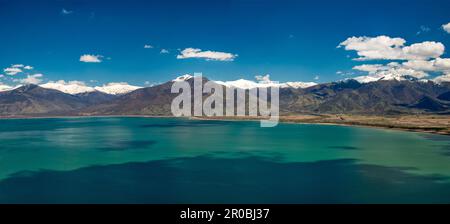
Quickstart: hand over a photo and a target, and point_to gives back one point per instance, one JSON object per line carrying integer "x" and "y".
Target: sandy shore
{"x": 437, "y": 124}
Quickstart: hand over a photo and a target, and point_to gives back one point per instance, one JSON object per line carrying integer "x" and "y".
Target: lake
{"x": 171, "y": 160}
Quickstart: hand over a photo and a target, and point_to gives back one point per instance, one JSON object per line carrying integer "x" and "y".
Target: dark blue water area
{"x": 208, "y": 179}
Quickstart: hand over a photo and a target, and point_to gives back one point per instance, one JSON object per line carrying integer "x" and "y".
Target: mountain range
{"x": 405, "y": 96}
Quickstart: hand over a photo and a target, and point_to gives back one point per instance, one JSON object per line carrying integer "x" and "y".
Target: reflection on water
{"x": 179, "y": 160}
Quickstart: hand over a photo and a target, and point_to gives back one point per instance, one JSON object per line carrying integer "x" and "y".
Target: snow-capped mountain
{"x": 5, "y": 87}
{"x": 348, "y": 96}
{"x": 248, "y": 84}
{"x": 297, "y": 85}
{"x": 390, "y": 76}
{"x": 77, "y": 87}
{"x": 116, "y": 88}
{"x": 71, "y": 87}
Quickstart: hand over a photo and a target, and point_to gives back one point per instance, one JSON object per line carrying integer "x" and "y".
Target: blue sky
{"x": 290, "y": 40}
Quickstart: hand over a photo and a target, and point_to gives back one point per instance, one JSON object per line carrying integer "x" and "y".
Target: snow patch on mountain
{"x": 247, "y": 84}
{"x": 262, "y": 81}
{"x": 116, "y": 88}
{"x": 297, "y": 85}
{"x": 70, "y": 87}
{"x": 77, "y": 87}
{"x": 4, "y": 87}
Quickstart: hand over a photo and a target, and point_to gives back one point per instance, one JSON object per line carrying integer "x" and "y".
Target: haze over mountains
{"x": 404, "y": 96}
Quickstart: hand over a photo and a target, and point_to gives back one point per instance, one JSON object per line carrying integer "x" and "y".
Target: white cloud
{"x": 263, "y": 78}
{"x": 424, "y": 50}
{"x": 418, "y": 59}
{"x": 316, "y": 77}
{"x": 391, "y": 71}
{"x": 28, "y": 67}
{"x": 66, "y": 12}
{"x": 17, "y": 66}
{"x": 387, "y": 48}
{"x": 148, "y": 46}
{"x": 442, "y": 64}
{"x": 370, "y": 68}
{"x": 207, "y": 55}
{"x": 12, "y": 71}
{"x": 164, "y": 51}
{"x": 31, "y": 79}
{"x": 88, "y": 58}
{"x": 420, "y": 65}
{"x": 436, "y": 65}
{"x": 446, "y": 27}
{"x": 150, "y": 84}
{"x": 442, "y": 78}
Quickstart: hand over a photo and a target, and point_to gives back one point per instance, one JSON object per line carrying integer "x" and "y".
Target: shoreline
{"x": 443, "y": 128}
{"x": 432, "y": 124}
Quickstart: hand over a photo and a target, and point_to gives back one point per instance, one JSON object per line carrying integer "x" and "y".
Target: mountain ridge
{"x": 348, "y": 96}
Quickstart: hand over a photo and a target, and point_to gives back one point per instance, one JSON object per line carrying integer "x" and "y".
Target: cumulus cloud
{"x": 207, "y": 55}
{"x": 148, "y": 46}
{"x": 263, "y": 78}
{"x": 17, "y": 66}
{"x": 12, "y": 71}
{"x": 28, "y": 67}
{"x": 420, "y": 65}
{"x": 442, "y": 78}
{"x": 446, "y": 27}
{"x": 89, "y": 58}
{"x": 31, "y": 79}
{"x": 415, "y": 68}
{"x": 417, "y": 60}
{"x": 392, "y": 71}
{"x": 387, "y": 48}
{"x": 164, "y": 51}
{"x": 435, "y": 65}
{"x": 370, "y": 68}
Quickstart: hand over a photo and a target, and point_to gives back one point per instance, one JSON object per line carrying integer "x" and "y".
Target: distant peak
{"x": 117, "y": 88}
{"x": 78, "y": 87}
{"x": 71, "y": 87}
{"x": 248, "y": 84}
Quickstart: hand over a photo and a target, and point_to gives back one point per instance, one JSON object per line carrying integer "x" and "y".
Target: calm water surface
{"x": 164, "y": 160}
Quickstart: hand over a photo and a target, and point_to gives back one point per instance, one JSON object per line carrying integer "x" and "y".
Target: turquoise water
{"x": 169, "y": 160}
